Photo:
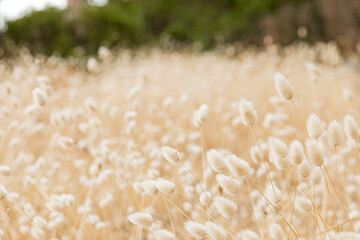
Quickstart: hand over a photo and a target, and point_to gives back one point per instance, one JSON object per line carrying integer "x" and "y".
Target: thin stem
{"x": 296, "y": 109}
{"x": 313, "y": 204}
{"x": 262, "y": 158}
{"x": 292, "y": 210}
{"x": 244, "y": 225}
{"x": 337, "y": 178}
{"x": 357, "y": 145}
{"x": 342, "y": 204}
{"x": 253, "y": 206}
{"x": 203, "y": 152}
{"x": 314, "y": 214}
{"x": 198, "y": 184}
{"x": 176, "y": 206}
{"x": 331, "y": 202}
{"x": 297, "y": 235}
{"x": 336, "y": 166}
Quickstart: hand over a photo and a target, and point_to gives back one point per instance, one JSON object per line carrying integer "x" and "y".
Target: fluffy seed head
{"x": 165, "y": 186}
{"x": 162, "y": 234}
{"x": 313, "y": 125}
{"x": 275, "y": 231}
{"x": 201, "y": 115}
{"x": 195, "y": 229}
{"x": 278, "y": 147}
{"x": 66, "y": 142}
{"x": 170, "y": 154}
{"x": 237, "y": 166}
{"x": 92, "y": 64}
{"x": 280, "y": 162}
{"x": 215, "y": 231}
{"x": 150, "y": 187}
{"x": 247, "y": 112}
{"x": 3, "y": 192}
{"x": 335, "y": 134}
{"x": 230, "y": 186}
{"x": 37, "y": 233}
{"x": 249, "y": 235}
{"x": 303, "y": 204}
{"x": 205, "y": 198}
{"x": 215, "y": 160}
{"x": 283, "y": 87}
{"x": 5, "y": 170}
{"x": 296, "y": 152}
{"x": 304, "y": 169}
{"x": 351, "y": 128}
{"x": 104, "y": 53}
{"x": 39, "y": 97}
{"x": 314, "y": 153}
{"x": 316, "y": 176}
{"x": 225, "y": 207}
{"x": 141, "y": 219}
{"x": 138, "y": 187}
{"x": 255, "y": 154}
{"x": 39, "y": 222}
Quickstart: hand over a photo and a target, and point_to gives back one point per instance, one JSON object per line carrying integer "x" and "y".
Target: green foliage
{"x": 133, "y": 23}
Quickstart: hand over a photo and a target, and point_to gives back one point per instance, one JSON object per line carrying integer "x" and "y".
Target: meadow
{"x": 163, "y": 145}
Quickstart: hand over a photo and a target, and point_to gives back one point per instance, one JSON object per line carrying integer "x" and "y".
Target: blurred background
{"x": 80, "y": 27}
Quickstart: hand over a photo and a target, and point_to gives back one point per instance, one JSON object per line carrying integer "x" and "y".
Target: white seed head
{"x": 230, "y": 186}
{"x": 296, "y": 152}
{"x": 215, "y": 160}
{"x": 3, "y": 192}
{"x": 39, "y": 222}
{"x": 335, "y": 134}
{"x": 37, "y": 233}
{"x": 138, "y": 187}
{"x": 303, "y": 204}
{"x": 225, "y": 207}
{"x": 304, "y": 169}
{"x": 162, "y": 234}
{"x": 90, "y": 104}
{"x": 215, "y": 231}
{"x": 165, "y": 186}
{"x": 5, "y": 170}
{"x": 255, "y": 154}
{"x": 275, "y": 231}
{"x": 313, "y": 125}
{"x": 205, "y": 198}
{"x": 314, "y": 153}
{"x": 201, "y": 115}
{"x": 316, "y": 176}
{"x": 283, "y": 87}
{"x": 104, "y": 53}
{"x": 278, "y": 147}
{"x": 351, "y": 128}
{"x": 280, "y": 162}
{"x": 141, "y": 219}
{"x": 66, "y": 142}
{"x": 92, "y": 64}
{"x": 39, "y": 97}
{"x": 195, "y": 229}
{"x": 249, "y": 235}
{"x": 247, "y": 112}
{"x": 150, "y": 187}
{"x": 237, "y": 166}
{"x": 170, "y": 154}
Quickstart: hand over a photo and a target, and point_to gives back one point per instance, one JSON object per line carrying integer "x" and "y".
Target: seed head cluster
{"x": 163, "y": 145}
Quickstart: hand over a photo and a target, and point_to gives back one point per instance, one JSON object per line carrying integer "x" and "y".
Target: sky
{"x": 13, "y": 9}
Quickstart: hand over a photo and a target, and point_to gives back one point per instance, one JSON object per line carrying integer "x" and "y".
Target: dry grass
{"x": 88, "y": 158}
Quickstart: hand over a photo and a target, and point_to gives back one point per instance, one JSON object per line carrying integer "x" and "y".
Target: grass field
{"x": 163, "y": 145}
